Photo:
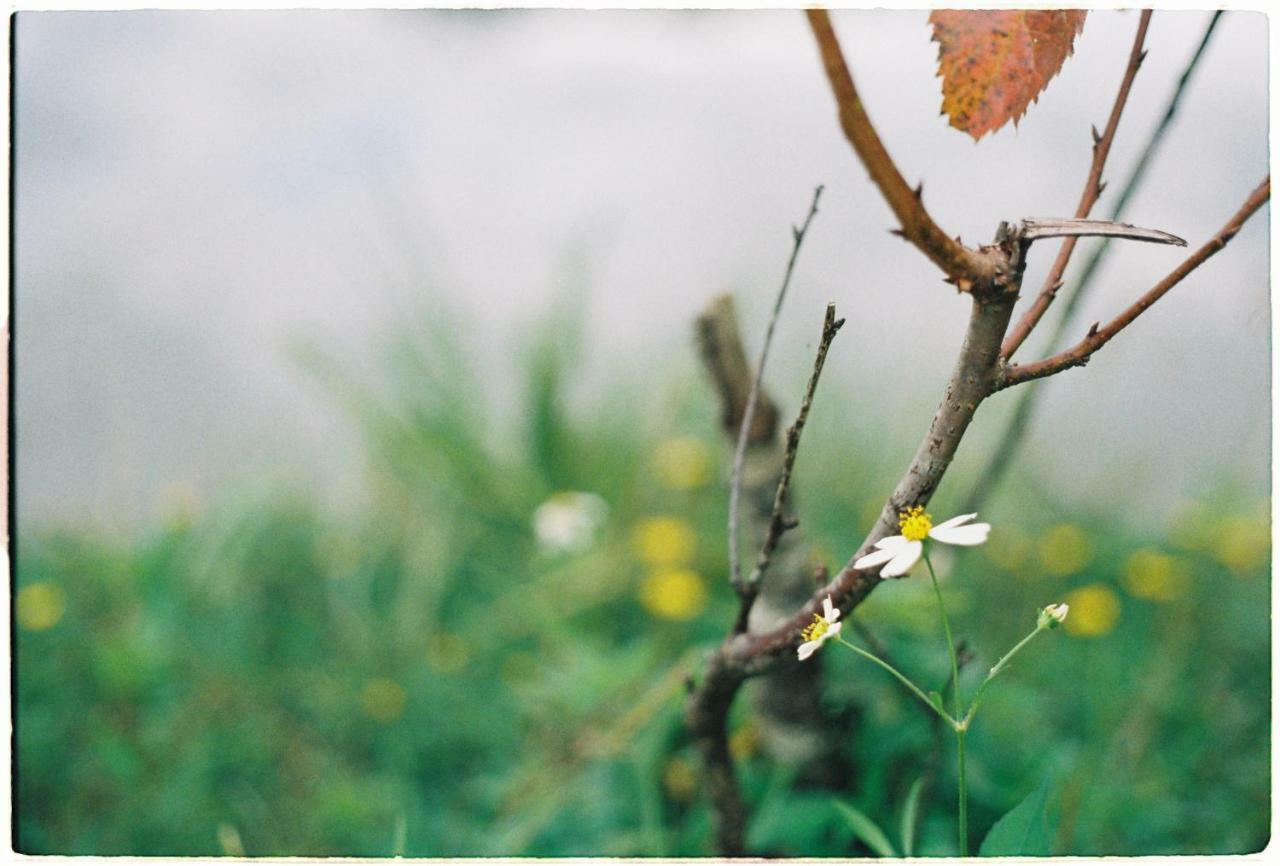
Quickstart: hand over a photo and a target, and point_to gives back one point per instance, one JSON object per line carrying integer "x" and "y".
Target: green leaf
{"x": 909, "y": 813}
{"x": 1024, "y": 831}
{"x": 866, "y": 830}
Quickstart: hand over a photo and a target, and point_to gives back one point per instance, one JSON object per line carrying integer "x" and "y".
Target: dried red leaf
{"x": 995, "y": 63}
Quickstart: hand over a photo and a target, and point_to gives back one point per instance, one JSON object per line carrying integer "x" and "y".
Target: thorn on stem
{"x": 1142, "y": 56}
{"x": 1097, "y": 136}
{"x": 919, "y": 191}
{"x": 1102, "y": 184}
{"x": 899, "y": 233}
{"x": 1093, "y": 330}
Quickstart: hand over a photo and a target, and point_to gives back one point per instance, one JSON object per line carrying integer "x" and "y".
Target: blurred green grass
{"x": 253, "y": 676}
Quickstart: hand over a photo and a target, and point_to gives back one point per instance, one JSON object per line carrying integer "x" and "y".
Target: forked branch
{"x": 748, "y": 416}
{"x": 779, "y": 522}
{"x": 964, "y": 266}
{"x": 1093, "y": 187}
{"x": 1097, "y": 337}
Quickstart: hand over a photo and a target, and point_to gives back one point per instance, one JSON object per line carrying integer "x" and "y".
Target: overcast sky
{"x": 197, "y": 190}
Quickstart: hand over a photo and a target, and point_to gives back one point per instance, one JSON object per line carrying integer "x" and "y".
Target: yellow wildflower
{"x": 1065, "y": 549}
{"x": 683, "y": 463}
{"x": 1156, "y": 576}
{"x": 664, "y": 541}
{"x": 1242, "y": 544}
{"x": 40, "y": 606}
{"x": 1094, "y": 611}
{"x": 673, "y": 593}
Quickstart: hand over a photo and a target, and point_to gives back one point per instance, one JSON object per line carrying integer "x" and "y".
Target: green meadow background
{"x": 253, "y": 675}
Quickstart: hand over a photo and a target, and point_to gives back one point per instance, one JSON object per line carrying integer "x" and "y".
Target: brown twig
{"x": 1019, "y": 423}
{"x": 779, "y": 522}
{"x": 740, "y": 452}
{"x": 1080, "y": 353}
{"x": 1092, "y": 190}
{"x": 964, "y": 266}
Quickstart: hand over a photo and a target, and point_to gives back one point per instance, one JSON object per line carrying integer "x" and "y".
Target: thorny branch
{"x": 964, "y": 266}
{"x": 779, "y": 522}
{"x": 1005, "y": 449}
{"x": 740, "y": 452}
{"x": 992, "y": 275}
{"x": 1079, "y": 354}
{"x": 1093, "y": 187}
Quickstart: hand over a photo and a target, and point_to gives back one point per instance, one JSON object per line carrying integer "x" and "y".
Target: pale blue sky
{"x": 196, "y": 189}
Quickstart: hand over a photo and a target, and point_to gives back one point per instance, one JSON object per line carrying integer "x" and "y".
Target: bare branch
{"x": 1072, "y": 301}
{"x": 1020, "y": 419}
{"x": 740, "y": 453}
{"x": 1079, "y": 354}
{"x": 779, "y": 523}
{"x": 965, "y": 267}
{"x": 1092, "y": 190}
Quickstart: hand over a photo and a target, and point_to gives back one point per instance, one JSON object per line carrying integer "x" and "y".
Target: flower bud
{"x": 1052, "y": 616}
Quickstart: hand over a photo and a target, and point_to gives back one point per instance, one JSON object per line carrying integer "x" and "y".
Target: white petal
{"x": 965, "y": 536}
{"x": 903, "y": 559}
{"x": 829, "y": 613}
{"x": 891, "y": 542}
{"x": 808, "y": 648}
{"x": 835, "y": 630}
{"x": 956, "y": 521}
{"x": 875, "y": 558}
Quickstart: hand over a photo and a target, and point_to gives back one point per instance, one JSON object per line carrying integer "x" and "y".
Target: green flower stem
{"x": 960, "y": 727}
{"x": 915, "y": 690}
{"x": 997, "y": 668}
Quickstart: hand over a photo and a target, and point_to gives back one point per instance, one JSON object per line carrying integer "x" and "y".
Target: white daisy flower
{"x": 901, "y": 552}
{"x": 823, "y": 628}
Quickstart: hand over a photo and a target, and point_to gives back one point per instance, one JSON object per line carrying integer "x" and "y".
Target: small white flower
{"x": 1053, "y": 615}
{"x": 901, "y": 552}
{"x": 824, "y": 627}
{"x": 568, "y": 521}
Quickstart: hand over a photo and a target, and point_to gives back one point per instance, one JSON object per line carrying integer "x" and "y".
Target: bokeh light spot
{"x": 1094, "y": 611}
{"x": 673, "y": 593}
{"x": 1156, "y": 576}
{"x": 383, "y": 700}
{"x": 1065, "y": 549}
{"x": 664, "y": 541}
{"x": 683, "y": 463}
{"x": 41, "y": 606}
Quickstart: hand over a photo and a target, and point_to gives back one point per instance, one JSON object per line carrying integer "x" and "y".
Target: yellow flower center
{"x": 915, "y": 523}
{"x": 815, "y": 629}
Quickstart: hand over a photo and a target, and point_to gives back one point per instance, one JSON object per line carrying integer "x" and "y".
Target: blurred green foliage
{"x": 432, "y": 679}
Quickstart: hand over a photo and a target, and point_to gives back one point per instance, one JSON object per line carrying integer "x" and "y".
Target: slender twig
{"x": 1092, "y": 190}
{"x": 1072, "y": 300}
{"x": 1097, "y": 337}
{"x": 964, "y": 266}
{"x": 740, "y": 452}
{"x": 1020, "y": 418}
{"x": 779, "y": 523}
